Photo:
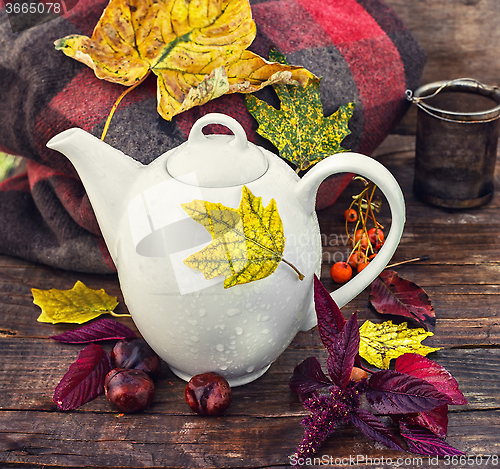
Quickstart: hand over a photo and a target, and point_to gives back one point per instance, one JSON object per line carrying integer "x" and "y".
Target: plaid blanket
{"x": 361, "y": 49}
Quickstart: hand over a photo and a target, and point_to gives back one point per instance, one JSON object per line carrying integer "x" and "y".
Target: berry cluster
{"x": 365, "y": 242}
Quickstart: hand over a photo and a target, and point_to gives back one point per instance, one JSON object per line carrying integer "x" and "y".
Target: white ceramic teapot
{"x": 193, "y": 323}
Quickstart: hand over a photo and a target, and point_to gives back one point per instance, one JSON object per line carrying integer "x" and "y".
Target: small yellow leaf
{"x": 78, "y": 305}
{"x": 382, "y": 342}
{"x": 248, "y": 242}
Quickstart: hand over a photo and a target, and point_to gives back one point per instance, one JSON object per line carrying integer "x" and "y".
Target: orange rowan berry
{"x": 351, "y": 215}
{"x": 361, "y": 266}
{"x": 356, "y": 258}
{"x": 341, "y": 272}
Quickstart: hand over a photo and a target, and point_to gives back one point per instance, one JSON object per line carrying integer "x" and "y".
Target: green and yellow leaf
{"x": 299, "y": 129}
{"x": 77, "y": 305}
{"x": 382, "y": 342}
{"x": 247, "y": 243}
{"x": 197, "y": 49}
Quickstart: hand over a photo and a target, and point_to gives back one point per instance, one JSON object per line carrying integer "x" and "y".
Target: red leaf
{"x": 391, "y": 294}
{"x": 343, "y": 353}
{"x": 308, "y": 376}
{"x": 84, "y": 380}
{"x": 373, "y": 428}
{"x": 435, "y": 420}
{"x": 102, "y": 329}
{"x": 391, "y": 392}
{"x": 430, "y": 371}
{"x": 422, "y": 441}
{"x": 330, "y": 319}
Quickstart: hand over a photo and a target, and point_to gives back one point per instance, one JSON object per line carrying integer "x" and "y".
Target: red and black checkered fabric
{"x": 361, "y": 49}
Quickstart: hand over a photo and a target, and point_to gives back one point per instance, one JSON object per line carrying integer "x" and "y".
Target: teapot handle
{"x": 374, "y": 171}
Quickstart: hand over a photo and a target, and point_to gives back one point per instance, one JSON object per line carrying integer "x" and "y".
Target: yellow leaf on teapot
{"x": 382, "y": 342}
{"x": 247, "y": 243}
{"x": 77, "y": 305}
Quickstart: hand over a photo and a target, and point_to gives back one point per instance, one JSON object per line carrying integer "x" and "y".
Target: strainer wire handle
{"x": 417, "y": 100}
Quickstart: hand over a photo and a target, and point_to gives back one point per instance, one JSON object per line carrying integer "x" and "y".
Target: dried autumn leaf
{"x": 299, "y": 129}
{"x": 248, "y": 242}
{"x": 102, "y": 329}
{"x": 77, "y": 305}
{"x": 196, "y": 49}
{"x": 381, "y": 342}
{"x": 392, "y": 294}
{"x": 84, "y": 379}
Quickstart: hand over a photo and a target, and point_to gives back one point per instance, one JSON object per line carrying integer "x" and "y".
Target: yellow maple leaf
{"x": 247, "y": 244}
{"x": 381, "y": 342}
{"x": 77, "y": 305}
{"x": 197, "y": 49}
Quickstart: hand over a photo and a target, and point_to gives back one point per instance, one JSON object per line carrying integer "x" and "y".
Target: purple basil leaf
{"x": 423, "y": 441}
{"x": 343, "y": 353}
{"x": 430, "y": 371}
{"x": 102, "y": 329}
{"x": 436, "y": 420}
{"x": 391, "y": 392}
{"x": 373, "y": 428}
{"x": 330, "y": 319}
{"x": 392, "y": 294}
{"x": 308, "y": 376}
{"x": 84, "y": 380}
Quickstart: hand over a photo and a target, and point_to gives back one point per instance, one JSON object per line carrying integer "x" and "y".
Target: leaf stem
{"x": 117, "y": 102}
{"x": 301, "y": 276}
{"x": 116, "y": 315}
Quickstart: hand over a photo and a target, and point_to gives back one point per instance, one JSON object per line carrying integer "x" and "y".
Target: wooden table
{"x": 262, "y": 426}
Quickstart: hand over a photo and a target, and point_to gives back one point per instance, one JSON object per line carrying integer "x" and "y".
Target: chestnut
{"x": 208, "y": 394}
{"x": 137, "y": 354}
{"x": 129, "y": 390}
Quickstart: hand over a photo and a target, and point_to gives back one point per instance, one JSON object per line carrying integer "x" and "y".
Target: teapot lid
{"x": 217, "y": 160}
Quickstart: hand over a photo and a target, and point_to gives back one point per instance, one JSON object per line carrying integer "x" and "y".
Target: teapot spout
{"x": 106, "y": 174}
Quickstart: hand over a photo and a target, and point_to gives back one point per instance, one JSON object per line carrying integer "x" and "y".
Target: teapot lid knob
{"x": 217, "y": 160}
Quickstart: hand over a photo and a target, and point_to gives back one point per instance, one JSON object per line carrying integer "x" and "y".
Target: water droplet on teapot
{"x": 250, "y": 369}
{"x": 232, "y": 312}
{"x": 239, "y": 331}
{"x": 220, "y": 347}
{"x": 202, "y": 312}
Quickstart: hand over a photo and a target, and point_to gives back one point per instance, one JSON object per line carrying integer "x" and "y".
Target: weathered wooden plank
{"x": 31, "y": 369}
{"x": 155, "y": 440}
